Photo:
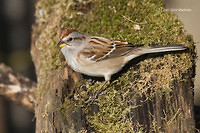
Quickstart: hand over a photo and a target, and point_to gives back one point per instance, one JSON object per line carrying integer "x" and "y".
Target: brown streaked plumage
{"x": 100, "y": 50}
{"x": 100, "y": 40}
{"x": 66, "y": 33}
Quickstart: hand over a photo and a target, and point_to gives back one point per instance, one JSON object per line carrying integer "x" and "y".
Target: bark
{"x": 154, "y": 95}
{"x": 55, "y": 83}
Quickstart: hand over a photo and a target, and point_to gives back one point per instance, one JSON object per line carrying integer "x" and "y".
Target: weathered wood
{"x": 151, "y": 94}
{"x": 55, "y": 83}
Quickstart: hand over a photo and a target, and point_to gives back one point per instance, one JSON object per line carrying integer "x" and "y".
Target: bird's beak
{"x": 61, "y": 44}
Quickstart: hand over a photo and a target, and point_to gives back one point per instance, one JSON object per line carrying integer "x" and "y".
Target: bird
{"x": 102, "y": 57}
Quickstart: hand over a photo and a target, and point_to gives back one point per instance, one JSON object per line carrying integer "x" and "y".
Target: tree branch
{"x": 16, "y": 87}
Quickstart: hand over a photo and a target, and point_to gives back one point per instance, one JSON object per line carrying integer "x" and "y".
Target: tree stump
{"x": 153, "y": 93}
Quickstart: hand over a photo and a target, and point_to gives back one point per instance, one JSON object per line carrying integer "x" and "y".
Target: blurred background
{"x": 16, "y": 18}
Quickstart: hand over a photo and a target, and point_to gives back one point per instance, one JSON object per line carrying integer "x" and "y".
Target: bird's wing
{"x": 99, "y": 48}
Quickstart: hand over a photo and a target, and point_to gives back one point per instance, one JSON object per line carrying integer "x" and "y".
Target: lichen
{"x": 135, "y": 21}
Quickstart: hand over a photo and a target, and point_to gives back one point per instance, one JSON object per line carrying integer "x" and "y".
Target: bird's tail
{"x": 154, "y": 49}
{"x": 159, "y": 49}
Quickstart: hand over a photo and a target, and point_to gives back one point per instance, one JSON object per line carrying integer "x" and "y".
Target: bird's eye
{"x": 70, "y": 39}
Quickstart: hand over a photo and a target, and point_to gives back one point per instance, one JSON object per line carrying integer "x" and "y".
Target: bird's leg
{"x": 97, "y": 93}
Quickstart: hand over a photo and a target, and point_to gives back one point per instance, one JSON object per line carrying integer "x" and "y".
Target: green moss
{"x": 135, "y": 21}
{"x": 113, "y": 19}
{"x": 68, "y": 107}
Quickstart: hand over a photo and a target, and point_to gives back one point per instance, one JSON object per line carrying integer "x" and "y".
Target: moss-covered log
{"x": 153, "y": 93}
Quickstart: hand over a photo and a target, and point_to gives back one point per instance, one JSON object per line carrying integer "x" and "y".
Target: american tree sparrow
{"x": 102, "y": 57}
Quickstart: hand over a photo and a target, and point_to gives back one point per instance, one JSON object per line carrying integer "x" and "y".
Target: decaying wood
{"x": 54, "y": 85}
{"x": 138, "y": 93}
{"x": 16, "y": 87}
{"x": 139, "y": 96}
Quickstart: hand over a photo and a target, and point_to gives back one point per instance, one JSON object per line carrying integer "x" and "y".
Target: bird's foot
{"x": 96, "y": 94}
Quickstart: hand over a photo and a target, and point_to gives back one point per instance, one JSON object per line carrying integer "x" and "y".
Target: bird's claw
{"x": 92, "y": 99}
{"x": 95, "y": 96}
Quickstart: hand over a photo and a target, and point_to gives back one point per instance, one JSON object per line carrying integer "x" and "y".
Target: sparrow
{"x": 101, "y": 57}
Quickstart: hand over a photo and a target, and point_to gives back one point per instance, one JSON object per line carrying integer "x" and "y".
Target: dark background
{"x": 16, "y": 19}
